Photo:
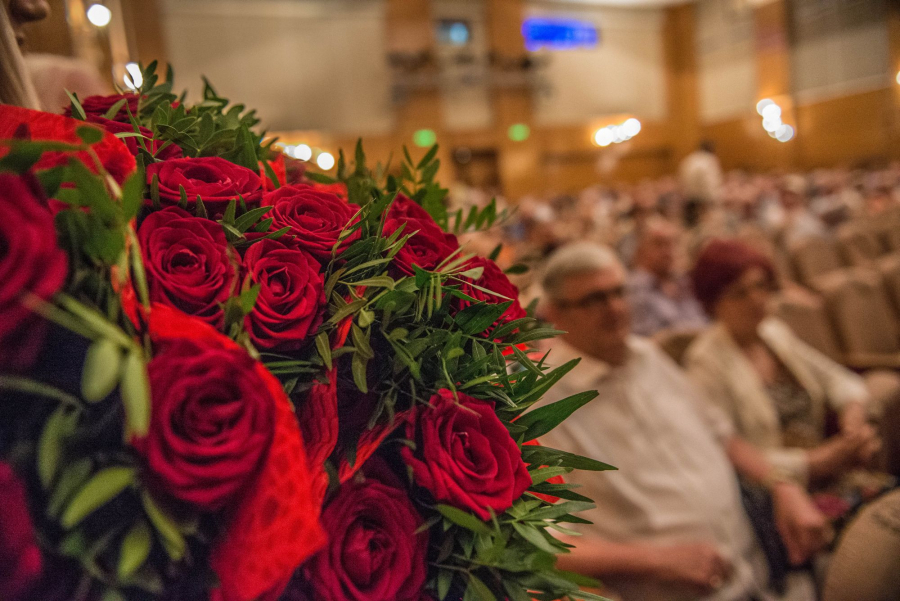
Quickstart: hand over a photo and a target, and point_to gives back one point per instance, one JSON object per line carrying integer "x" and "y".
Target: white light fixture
{"x": 133, "y": 78}
{"x": 785, "y": 133}
{"x": 304, "y": 153}
{"x": 771, "y": 112}
{"x": 771, "y": 124}
{"x": 325, "y": 161}
{"x": 603, "y": 136}
{"x": 631, "y": 127}
{"x": 762, "y": 104}
{"x": 99, "y": 15}
{"x": 898, "y": 76}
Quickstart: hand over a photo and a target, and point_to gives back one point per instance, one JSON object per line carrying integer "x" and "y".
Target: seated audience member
{"x": 669, "y": 524}
{"x": 774, "y": 387}
{"x": 661, "y": 298}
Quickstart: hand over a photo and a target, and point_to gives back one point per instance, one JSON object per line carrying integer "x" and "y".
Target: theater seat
{"x": 675, "y": 343}
{"x": 889, "y": 268}
{"x": 866, "y": 563}
{"x": 859, "y": 244}
{"x": 862, "y": 317}
{"x": 805, "y": 313}
{"x": 814, "y": 257}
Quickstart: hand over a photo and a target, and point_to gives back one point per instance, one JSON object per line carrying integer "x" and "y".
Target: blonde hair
{"x": 15, "y": 83}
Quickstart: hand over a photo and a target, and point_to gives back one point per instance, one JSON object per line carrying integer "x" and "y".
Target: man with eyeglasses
{"x": 669, "y": 524}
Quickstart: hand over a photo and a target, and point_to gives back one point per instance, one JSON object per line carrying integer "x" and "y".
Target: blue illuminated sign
{"x": 558, "y": 34}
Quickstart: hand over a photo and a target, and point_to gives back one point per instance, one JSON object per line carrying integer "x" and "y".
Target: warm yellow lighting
{"x": 604, "y": 136}
{"x": 99, "y": 15}
{"x": 762, "y": 104}
{"x": 325, "y": 161}
{"x": 304, "y": 153}
{"x": 133, "y": 77}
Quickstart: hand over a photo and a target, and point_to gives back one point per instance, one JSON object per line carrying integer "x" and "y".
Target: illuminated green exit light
{"x": 424, "y": 137}
{"x": 519, "y": 132}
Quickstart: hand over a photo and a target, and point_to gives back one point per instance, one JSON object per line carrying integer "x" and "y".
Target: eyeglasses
{"x": 593, "y": 299}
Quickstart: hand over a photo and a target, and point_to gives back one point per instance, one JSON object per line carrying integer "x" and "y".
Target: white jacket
{"x": 717, "y": 365}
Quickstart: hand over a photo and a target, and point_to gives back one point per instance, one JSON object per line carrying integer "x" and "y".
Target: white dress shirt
{"x": 674, "y": 482}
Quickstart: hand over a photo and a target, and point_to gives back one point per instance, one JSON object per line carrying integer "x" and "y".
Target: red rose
{"x": 465, "y": 456}
{"x": 171, "y": 151}
{"x": 428, "y": 247}
{"x": 373, "y": 551}
{"x": 291, "y": 297}
{"x": 315, "y": 218}
{"x": 16, "y": 122}
{"x": 495, "y": 280}
{"x": 337, "y": 188}
{"x": 273, "y": 525}
{"x": 187, "y": 263}
{"x": 20, "y": 557}
{"x": 97, "y": 106}
{"x": 30, "y": 262}
{"x": 212, "y": 421}
{"x": 214, "y": 179}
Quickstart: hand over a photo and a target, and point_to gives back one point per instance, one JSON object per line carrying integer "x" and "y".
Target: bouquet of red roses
{"x": 224, "y": 378}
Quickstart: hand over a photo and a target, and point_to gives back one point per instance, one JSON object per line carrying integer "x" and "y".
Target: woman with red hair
{"x": 776, "y": 388}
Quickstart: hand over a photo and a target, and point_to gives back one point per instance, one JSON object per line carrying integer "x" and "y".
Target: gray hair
{"x": 574, "y": 259}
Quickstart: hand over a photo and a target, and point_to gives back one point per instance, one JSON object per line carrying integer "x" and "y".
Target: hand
{"x": 869, "y": 449}
{"x": 802, "y": 526}
{"x": 698, "y": 566}
{"x": 841, "y": 452}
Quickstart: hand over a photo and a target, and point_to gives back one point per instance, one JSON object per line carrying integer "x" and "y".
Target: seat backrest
{"x": 859, "y": 244}
{"x": 860, "y": 311}
{"x": 889, "y": 267}
{"x": 805, "y": 313}
{"x": 675, "y": 343}
{"x": 814, "y": 257}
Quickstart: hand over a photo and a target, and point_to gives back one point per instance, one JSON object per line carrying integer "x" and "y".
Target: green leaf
{"x": 135, "y": 549}
{"x": 77, "y": 109}
{"x": 444, "y": 580}
{"x": 103, "y": 487}
{"x": 72, "y": 478}
{"x": 270, "y": 173}
{"x": 543, "y": 419}
{"x": 100, "y": 373}
{"x": 114, "y": 109}
{"x": 132, "y": 195}
{"x": 168, "y": 530}
{"x": 381, "y": 281}
{"x": 535, "y": 455}
{"x": 476, "y": 319}
{"x": 516, "y": 269}
{"x": 230, "y": 211}
{"x": 246, "y": 221}
{"x": 200, "y": 208}
{"x": 323, "y": 345}
{"x": 428, "y": 157}
{"x": 248, "y": 298}
{"x": 358, "y": 367}
{"x": 535, "y": 537}
{"x": 361, "y": 342}
{"x": 89, "y": 134}
{"x": 558, "y": 510}
{"x": 478, "y": 590}
{"x": 60, "y": 424}
{"x": 135, "y": 389}
{"x": 545, "y": 473}
{"x": 464, "y": 519}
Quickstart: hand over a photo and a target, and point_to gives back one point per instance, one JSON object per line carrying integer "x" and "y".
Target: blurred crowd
{"x": 743, "y": 333}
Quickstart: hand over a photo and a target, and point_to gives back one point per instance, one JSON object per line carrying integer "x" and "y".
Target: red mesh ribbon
{"x": 275, "y": 526}
{"x": 27, "y": 124}
{"x": 367, "y": 445}
{"x": 318, "y": 418}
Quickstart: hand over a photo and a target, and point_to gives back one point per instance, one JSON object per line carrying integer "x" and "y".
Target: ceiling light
{"x": 325, "y": 161}
{"x": 99, "y": 15}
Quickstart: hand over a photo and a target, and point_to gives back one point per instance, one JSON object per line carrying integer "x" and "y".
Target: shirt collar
{"x": 590, "y": 372}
